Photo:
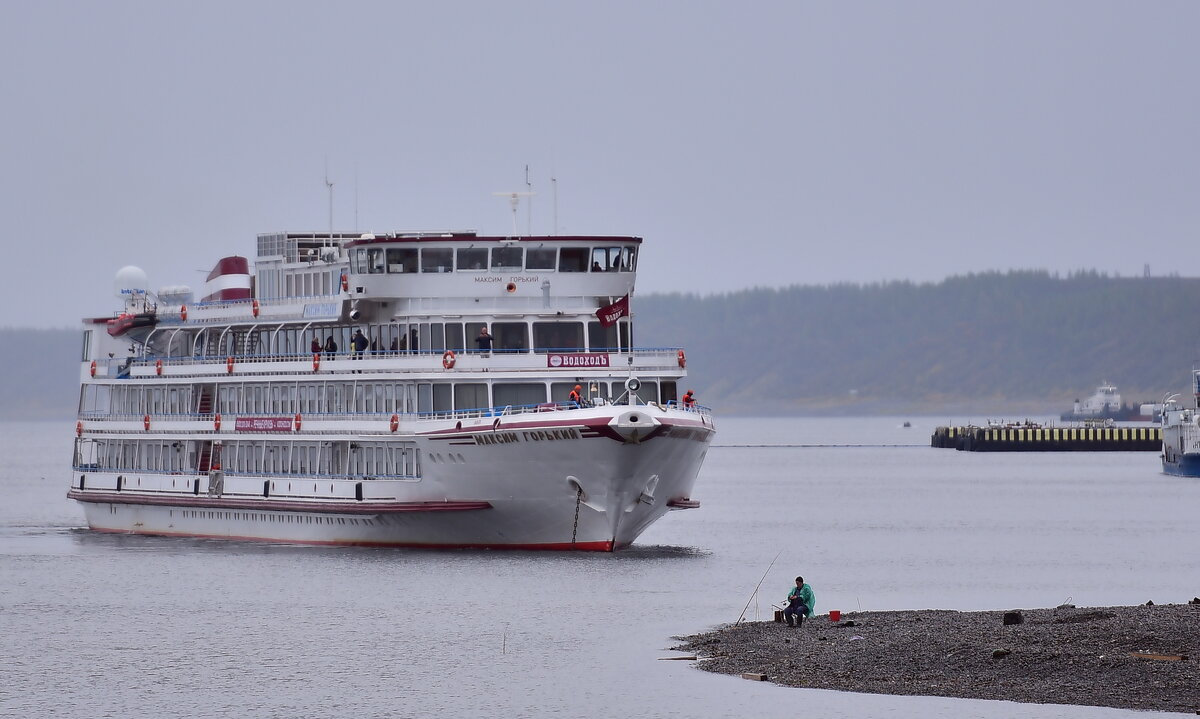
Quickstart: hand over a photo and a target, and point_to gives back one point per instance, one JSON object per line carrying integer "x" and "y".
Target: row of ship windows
{"x": 273, "y": 457}
{"x": 404, "y": 260}
{"x": 273, "y": 517}
{"x": 345, "y": 396}
{"x": 393, "y": 337}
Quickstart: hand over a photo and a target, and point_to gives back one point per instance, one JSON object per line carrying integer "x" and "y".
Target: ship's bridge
{"x": 531, "y": 273}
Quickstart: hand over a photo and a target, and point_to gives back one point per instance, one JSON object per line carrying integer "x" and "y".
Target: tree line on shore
{"x": 1021, "y": 338}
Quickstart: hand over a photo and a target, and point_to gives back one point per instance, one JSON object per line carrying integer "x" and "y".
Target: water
{"x": 120, "y": 626}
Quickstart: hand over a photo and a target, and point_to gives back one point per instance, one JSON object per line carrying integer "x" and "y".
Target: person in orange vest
{"x": 688, "y": 400}
{"x": 577, "y": 395}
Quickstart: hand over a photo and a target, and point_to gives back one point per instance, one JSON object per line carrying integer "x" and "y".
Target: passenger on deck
{"x": 331, "y": 347}
{"x": 315, "y": 347}
{"x": 689, "y": 401}
{"x": 358, "y": 345}
{"x": 484, "y": 340}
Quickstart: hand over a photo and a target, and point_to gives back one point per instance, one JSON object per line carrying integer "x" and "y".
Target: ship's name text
{"x": 537, "y": 435}
{"x": 513, "y": 278}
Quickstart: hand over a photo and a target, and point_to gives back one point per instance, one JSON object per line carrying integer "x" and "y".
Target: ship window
{"x": 628, "y": 258}
{"x": 507, "y": 258}
{"x": 540, "y": 258}
{"x": 436, "y": 259}
{"x": 87, "y": 346}
{"x": 472, "y": 258}
{"x": 573, "y": 259}
{"x": 601, "y": 338}
{"x": 558, "y": 337}
{"x": 437, "y": 337}
{"x": 669, "y": 392}
{"x": 401, "y": 260}
{"x": 441, "y": 398}
{"x": 606, "y": 259}
{"x": 648, "y": 392}
{"x": 454, "y": 336}
{"x": 510, "y": 337}
{"x": 469, "y": 396}
{"x": 515, "y": 395}
{"x": 375, "y": 260}
{"x": 358, "y": 261}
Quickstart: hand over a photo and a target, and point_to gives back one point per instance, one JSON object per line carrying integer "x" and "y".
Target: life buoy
{"x": 316, "y": 361}
{"x": 448, "y": 359}
{"x": 254, "y": 307}
{"x": 93, "y": 368}
{"x": 217, "y": 422}
{"x": 183, "y": 312}
{"x": 79, "y": 429}
{"x": 345, "y": 282}
{"x": 146, "y": 422}
{"x": 395, "y": 423}
{"x": 681, "y": 358}
{"x": 158, "y": 366}
{"x": 296, "y": 423}
{"x": 229, "y": 364}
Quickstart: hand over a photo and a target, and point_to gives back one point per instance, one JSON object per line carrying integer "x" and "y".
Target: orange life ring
{"x": 229, "y": 364}
{"x": 316, "y": 361}
{"x": 448, "y": 359}
{"x": 681, "y": 358}
{"x": 395, "y": 424}
{"x": 93, "y": 368}
{"x": 254, "y": 307}
{"x": 158, "y": 366}
{"x": 146, "y": 422}
{"x": 297, "y": 422}
{"x": 345, "y": 282}
{"x": 79, "y": 429}
{"x": 217, "y": 422}
{"x": 183, "y": 312}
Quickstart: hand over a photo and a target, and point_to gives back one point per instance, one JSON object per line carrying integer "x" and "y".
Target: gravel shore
{"x": 1066, "y": 655}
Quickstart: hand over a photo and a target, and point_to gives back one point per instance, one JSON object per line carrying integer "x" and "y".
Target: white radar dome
{"x": 130, "y": 280}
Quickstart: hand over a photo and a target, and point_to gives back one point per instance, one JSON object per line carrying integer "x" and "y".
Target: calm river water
{"x": 121, "y": 626}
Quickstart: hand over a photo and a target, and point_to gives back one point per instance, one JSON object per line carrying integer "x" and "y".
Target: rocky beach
{"x": 1140, "y": 657}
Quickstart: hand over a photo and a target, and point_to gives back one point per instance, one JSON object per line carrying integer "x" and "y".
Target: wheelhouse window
{"x": 628, "y": 258}
{"x": 472, "y": 258}
{"x": 606, "y": 259}
{"x": 508, "y": 258}
{"x": 401, "y": 260}
{"x": 540, "y": 258}
{"x": 436, "y": 259}
{"x": 573, "y": 259}
{"x": 375, "y": 260}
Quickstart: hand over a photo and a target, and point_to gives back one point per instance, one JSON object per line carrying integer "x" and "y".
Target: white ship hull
{"x": 584, "y": 480}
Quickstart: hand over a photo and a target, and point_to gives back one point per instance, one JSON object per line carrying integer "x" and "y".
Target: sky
{"x": 752, "y": 144}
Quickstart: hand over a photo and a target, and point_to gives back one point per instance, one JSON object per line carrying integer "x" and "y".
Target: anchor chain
{"x": 578, "y": 501}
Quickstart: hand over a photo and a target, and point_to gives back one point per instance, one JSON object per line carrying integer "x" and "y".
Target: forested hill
{"x": 986, "y": 343}
{"x": 1020, "y": 340}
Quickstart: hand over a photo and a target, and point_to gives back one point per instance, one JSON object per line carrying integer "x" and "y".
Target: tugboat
{"x": 1106, "y": 403}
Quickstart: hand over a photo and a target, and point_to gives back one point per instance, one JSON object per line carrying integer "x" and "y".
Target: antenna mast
{"x": 515, "y": 199}
{"x": 528, "y": 205}
{"x": 329, "y": 185}
{"x": 554, "y": 188}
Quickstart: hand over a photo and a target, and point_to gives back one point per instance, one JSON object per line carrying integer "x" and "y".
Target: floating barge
{"x": 1035, "y": 438}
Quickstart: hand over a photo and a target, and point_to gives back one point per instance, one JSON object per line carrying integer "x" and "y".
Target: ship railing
{"x": 644, "y": 359}
{"x": 234, "y": 471}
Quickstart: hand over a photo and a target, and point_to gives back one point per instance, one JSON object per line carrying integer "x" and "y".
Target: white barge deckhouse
{"x": 410, "y": 389}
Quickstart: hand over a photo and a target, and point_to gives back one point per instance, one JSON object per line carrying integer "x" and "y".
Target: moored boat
{"x": 437, "y": 389}
{"x": 1105, "y": 403}
{"x": 1181, "y": 434}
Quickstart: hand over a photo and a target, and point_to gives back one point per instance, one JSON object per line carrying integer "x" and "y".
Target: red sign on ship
{"x": 577, "y": 359}
{"x": 263, "y": 424}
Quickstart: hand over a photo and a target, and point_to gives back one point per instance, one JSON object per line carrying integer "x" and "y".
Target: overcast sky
{"x": 749, "y": 143}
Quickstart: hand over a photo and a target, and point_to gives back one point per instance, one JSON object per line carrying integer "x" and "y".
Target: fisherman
{"x": 801, "y": 601}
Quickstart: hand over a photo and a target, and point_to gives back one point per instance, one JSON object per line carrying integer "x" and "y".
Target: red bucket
{"x": 835, "y": 615}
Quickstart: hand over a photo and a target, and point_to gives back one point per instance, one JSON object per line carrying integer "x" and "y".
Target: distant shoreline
{"x": 1066, "y": 655}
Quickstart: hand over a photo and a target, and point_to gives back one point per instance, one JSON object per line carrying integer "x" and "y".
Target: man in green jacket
{"x": 801, "y": 601}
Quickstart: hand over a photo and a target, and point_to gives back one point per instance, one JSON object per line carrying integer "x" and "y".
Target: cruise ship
{"x": 418, "y": 389}
{"x": 1181, "y": 434}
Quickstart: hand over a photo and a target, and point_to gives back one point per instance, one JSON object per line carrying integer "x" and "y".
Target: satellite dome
{"x": 130, "y": 280}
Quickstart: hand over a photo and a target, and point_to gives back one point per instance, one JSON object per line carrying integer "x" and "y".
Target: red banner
{"x": 609, "y": 315}
{"x": 263, "y": 424}
{"x": 577, "y": 359}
